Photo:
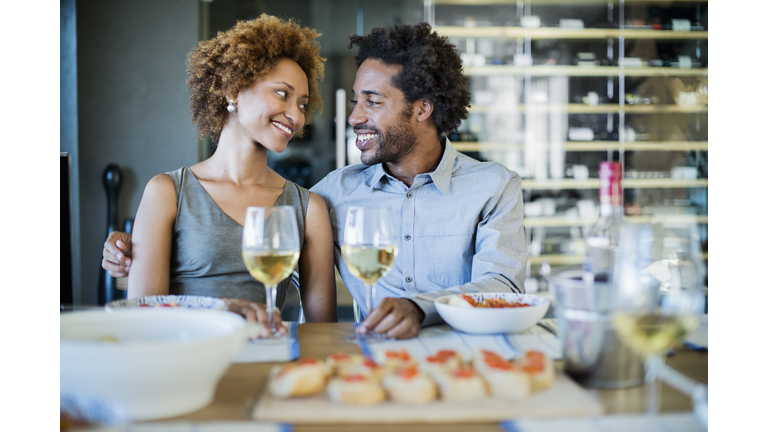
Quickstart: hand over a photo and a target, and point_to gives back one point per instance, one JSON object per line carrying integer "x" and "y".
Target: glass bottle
{"x": 603, "y": 237}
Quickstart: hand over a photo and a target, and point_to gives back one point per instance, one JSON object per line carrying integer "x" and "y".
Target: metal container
{"x": 592, "y": 354}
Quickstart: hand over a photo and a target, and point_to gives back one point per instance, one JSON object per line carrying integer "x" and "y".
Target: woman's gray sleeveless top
{"x": 206, "y": 257}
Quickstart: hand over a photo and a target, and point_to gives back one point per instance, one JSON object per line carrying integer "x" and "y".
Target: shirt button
{"x": 409, "y": 279}
{"x": 407, "y": 237}
{"x": 409, "y": 195}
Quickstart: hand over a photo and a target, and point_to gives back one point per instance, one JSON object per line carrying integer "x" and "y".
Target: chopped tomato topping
{"x": 441, "y": 356}
{"x": 468, "y": 299}
{"x": 534, "y": 361}
{"x": 308, "y": 361}
{"x": 339, "y": 356}
{"x": 354, "y": 378}
{"x": 401, "y": 355}
{"x": 464, "y": 372}
{"x": 533, "y": 368}
{"x": 407, "y": 372}
{"x": 495, "y": 361}
{"x": 370, "y": 363}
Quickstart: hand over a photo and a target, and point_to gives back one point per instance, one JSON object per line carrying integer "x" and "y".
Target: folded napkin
{"x": 433, "y": 339}
{"x": 214, "y": 426}
{"x": 610, "y": 423}
{"x": 281, "y": 349}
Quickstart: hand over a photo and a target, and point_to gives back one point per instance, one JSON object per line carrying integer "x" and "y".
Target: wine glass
{"x": 369, "y": 249}
{"x": 659, "y": 292}
{"x": 270, "y": 249}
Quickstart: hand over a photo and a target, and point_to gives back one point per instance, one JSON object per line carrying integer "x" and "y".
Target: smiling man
{"x": 460, "y": 221}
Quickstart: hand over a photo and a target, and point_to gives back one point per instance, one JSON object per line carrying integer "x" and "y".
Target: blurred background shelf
{"x": 564, "y": 33}
{"x": 583, "y": 71}
{"x": 649, "y": 183}
{"x": 561, "y": 221}
{"x": 595, "y": 109}
{"x": 583, "y": 146}
{"x": 557, "y": 2}
{"x": 558, "y": 86}
{"x": 570, "y": 260}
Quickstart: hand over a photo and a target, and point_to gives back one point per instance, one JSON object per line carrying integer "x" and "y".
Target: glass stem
{"x": 369, "y": 300}
{"x": 653, "y": 365}
{"x": 271, "y": 297}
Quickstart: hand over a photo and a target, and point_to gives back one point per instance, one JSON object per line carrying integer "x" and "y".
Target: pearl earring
{"x": 231, "y": 106}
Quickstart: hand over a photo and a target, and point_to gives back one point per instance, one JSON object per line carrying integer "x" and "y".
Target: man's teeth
{"x": 366, "y": 137}
{"x": 282, "y": 127}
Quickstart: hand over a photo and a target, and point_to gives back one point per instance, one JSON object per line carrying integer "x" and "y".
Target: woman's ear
{"x": 423, "y": 109}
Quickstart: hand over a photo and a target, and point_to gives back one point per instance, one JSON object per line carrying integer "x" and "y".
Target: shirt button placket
{"x": 408, "y": 248}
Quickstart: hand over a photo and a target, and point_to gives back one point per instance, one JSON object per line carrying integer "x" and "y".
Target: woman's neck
{"x": 238, "y": 159}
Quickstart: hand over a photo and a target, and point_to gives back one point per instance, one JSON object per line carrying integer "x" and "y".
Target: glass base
{"x": 357, "y": 338}
{"x": 273, "y": 339}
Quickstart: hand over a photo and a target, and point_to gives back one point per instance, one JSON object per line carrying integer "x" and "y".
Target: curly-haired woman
{"x": 252, "y": 89}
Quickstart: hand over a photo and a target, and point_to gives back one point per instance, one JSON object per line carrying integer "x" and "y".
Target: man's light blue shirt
{"x": 460, "y": 228}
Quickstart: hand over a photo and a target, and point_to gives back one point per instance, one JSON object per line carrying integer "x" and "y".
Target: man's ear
{"x": 423, "y": 110}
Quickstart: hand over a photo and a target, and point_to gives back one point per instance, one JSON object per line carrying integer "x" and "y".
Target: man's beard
{"x": 398, "y": 141}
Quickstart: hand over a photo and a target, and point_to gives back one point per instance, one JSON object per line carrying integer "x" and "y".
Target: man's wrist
{"x": 418, "y": 311}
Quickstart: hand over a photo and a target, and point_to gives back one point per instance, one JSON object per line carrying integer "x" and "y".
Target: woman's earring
{"x": 231, "y": 106}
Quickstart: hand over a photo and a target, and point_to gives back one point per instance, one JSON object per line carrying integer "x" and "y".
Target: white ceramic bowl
{"x": 157, "y": 362}
{"x": 493, "y": 320}
{"x": 182, "y": 301}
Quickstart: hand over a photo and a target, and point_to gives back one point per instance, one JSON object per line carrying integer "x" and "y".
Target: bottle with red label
{"x": 601, "y": 240}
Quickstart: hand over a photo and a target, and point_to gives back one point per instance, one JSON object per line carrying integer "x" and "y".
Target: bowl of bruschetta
{"x": 491, "y": 313}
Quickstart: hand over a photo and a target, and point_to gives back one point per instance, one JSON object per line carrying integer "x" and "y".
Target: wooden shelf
{"x": 552, "y": 2}
{"x": 563, "y": 260}
{"x": 659, "y": 183}
{"x": 595, "y": 109}
{"x": 583, "y": 71}
{"x": 558, "y": 33}
{"x": 557, "y": 260}
{"x": 568, "y": 222}
{"x": 581, "y": 146}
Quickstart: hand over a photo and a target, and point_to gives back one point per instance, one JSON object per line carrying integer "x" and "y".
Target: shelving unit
{"x": 584, "y": 71}
{"x": 522, "y": 111}
{"x": 651, "y": 183}
{"x": 557, "y": 33}
{"x": 583, "y": 146}
{"x": 597, "y": 109}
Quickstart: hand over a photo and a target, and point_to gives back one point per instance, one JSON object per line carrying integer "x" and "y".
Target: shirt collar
{"x": 441, "y": 176}
{"x": 378, "y": 174}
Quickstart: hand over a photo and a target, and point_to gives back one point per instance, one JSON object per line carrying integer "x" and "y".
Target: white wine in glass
{"x": 369, "y": 249}
{"x": 659, "y": 292}
{"x": 270, "y": 249}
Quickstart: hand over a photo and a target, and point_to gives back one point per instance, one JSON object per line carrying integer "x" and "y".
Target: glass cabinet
{"x": 559, "y": 86}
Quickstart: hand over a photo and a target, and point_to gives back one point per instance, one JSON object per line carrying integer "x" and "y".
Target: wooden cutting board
{"x": 563, "y": 398}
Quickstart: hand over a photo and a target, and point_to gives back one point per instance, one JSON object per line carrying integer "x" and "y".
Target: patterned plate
{"x": 182, "y": 301}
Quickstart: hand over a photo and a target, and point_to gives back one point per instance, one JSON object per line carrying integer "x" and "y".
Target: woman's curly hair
{"x": 231, "y": 61}
{"x": 431, "y": 69}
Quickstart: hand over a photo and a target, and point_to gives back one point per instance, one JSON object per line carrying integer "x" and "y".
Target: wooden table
{"x": 242, "y": 383}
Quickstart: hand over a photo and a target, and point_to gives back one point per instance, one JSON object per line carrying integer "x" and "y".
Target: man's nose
{"x": 357, "y": 117}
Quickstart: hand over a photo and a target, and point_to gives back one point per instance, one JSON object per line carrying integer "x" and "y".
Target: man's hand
{"x": 397, "y": 317}
{"x": 255, "y": 312}
{"x": 116, "y": 256}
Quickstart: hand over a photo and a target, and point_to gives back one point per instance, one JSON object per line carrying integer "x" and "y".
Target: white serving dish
{"x": 164, "y": 362}
{"x": 493, "y": 320}
{"x": 158, "y": 301}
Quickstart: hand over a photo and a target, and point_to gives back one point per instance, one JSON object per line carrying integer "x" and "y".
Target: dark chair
{"x": 292, "y": 308}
